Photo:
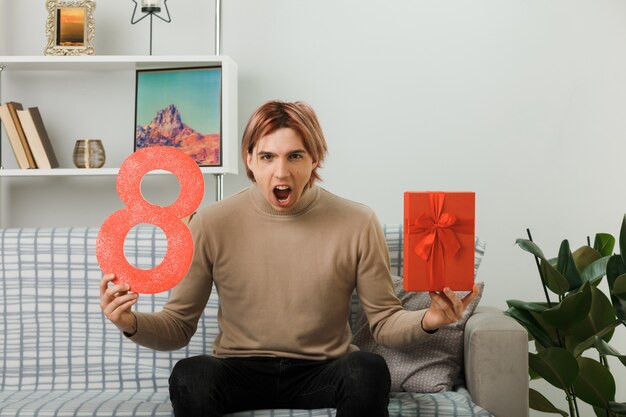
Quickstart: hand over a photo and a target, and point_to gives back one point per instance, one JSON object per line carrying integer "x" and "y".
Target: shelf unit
{"x": 130, "y": 64}
{"x": 48, "y": 70}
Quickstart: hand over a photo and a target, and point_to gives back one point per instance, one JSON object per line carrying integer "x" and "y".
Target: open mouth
{"x": 282, "y": 194}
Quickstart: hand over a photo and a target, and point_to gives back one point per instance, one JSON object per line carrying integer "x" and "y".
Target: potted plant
{"x": 578, "y": 318}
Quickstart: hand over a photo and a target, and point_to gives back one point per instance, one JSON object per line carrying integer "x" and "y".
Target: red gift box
{"x": 439, "y": 241}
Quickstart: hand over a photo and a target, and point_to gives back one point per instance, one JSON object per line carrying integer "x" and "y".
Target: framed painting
{"x": 181, "y": 107}
{"x": 70, "y": 27}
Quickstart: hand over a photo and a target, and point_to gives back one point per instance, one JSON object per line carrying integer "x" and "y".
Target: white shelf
{"x": 107, "y": 62}
{"x": 69, "y": 172}
{"x": 57, "y": 172}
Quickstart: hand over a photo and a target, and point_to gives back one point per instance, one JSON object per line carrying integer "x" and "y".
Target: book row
{"x": 28, "y": 137}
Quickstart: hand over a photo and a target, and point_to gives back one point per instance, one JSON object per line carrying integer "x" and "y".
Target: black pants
{"x": 356, "y": 385}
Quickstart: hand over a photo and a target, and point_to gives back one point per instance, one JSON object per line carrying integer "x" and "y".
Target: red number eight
{"x": 110, "y": 241}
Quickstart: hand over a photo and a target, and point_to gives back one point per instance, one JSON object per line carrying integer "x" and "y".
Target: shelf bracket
{"x": 219, "y": 187}
{"x": 219, "y": 178}
{"x": 218, "y": 27}
{"x": 2, "y": 67}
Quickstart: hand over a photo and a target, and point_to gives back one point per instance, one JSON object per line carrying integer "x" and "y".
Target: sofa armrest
{"x": 496, "y": 363}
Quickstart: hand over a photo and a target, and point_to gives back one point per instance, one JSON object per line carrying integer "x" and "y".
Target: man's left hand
{"x": 446, "y": 307}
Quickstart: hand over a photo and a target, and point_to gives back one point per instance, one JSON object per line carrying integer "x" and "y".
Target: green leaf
{"x": 538, "y": 402}
{"x": 531, "y": 324}
{"x": 601, "y": 315}
{"x": 584, "y": 256}
{"x": 556, "y": 365}
{"x": 600, "y": 411}
{"x": 614, "y": 269}
{"x": 550, "y": 330}
{"x": 595, "y": 384}
{"x": 553, "y": 278}
{"x": 619, "y": 287}
{"x": 606, "y": 349}
{"x": 530, "y": 246}
{"x": 564, "y": 252}
{"x": 604, "y": 244}
{"x": 617, "y": 408}
{"x": 573, "y": 309}
{"x": 567, "y": 267}
{"x": 622, "y": 240}
{"x": 532, "y": 374}
{"x": 587, "y": 343}
{"x": 595, "y": 270}
{"x": 539, "y": 347}
{"x": 527, "y": 306}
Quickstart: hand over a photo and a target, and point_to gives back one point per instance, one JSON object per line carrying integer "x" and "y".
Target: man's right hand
{"x": 116, "y": 303}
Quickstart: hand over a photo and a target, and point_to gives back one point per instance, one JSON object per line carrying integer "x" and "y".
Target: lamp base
{"x": 151, "y": 9}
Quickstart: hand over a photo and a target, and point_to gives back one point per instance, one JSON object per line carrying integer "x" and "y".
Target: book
{"x": 14, "y": 138}
{"x": 37, "y": 138}
{"x": 13, "y": 108}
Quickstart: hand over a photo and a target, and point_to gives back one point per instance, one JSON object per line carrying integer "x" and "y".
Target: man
{"x": 285, "y": 257}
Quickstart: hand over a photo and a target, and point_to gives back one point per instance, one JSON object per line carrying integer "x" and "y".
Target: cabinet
{"x": 93, "y": 97}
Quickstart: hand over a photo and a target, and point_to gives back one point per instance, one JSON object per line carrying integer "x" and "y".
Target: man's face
{"x": 282, "y": 167}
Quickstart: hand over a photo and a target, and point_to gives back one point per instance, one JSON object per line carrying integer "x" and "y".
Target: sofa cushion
{"x": 429, "y": 367}
{"x": 456, "y": 403}
{"x": 85, "y": 403}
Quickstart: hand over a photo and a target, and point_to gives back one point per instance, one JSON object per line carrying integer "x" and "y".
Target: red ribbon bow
{"x": 436, "y": 235}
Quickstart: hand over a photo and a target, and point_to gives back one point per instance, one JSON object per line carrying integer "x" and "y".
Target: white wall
{"x": 3, "y": 31}
{"x": 522, "y": 101}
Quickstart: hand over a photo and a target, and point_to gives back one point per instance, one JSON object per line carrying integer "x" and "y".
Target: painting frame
{"x": 181, "y": 107}
{"x": 70, "y": 27}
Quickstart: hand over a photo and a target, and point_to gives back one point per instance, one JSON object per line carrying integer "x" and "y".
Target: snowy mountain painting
{"x": 180, "y": 108}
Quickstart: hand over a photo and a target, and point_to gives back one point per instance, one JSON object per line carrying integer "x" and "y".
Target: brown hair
{"x": 275, "y": 115}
